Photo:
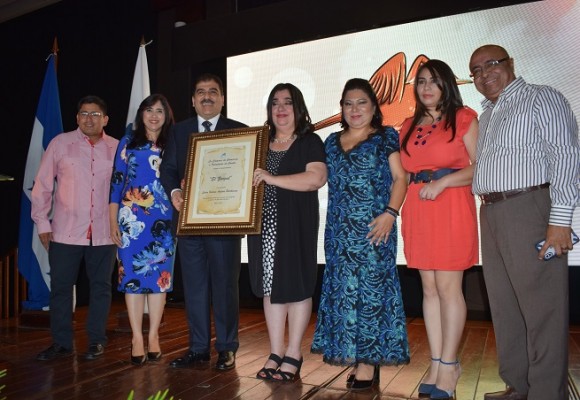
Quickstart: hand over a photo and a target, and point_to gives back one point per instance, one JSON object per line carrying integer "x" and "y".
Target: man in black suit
{"x": 210, "y": 265}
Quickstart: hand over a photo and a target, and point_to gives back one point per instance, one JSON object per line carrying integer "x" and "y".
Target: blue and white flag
{"x": 140, "y": 88}
{"x": 32, "y": 256}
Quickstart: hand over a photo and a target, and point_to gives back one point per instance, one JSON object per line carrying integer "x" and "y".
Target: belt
{"x": 428, "y": 175}
{"x": 494, "y": 197}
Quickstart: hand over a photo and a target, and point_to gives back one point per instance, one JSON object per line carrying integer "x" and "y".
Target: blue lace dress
{"x": 360, "y": 317}
{"x": 148, "y": 250}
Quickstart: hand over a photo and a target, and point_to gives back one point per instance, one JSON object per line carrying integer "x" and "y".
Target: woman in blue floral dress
{"x": 361, "y": 321}
{"x": 140, "y": 216}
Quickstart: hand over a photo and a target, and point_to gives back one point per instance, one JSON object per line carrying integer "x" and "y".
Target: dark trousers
{"x": 65, "y": 260}
{"x": 210, "y": 266}
{"x": 528, "y": 297}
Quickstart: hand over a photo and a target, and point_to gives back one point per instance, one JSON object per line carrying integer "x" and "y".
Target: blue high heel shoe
{"x": 425, "y": 389}
{"x": 440, "y": 394}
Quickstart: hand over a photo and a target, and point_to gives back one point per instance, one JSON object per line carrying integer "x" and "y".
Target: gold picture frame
{"x": 219, "y": 198}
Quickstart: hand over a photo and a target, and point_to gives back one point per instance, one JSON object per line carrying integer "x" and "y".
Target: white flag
{"x": 140, "y": 89}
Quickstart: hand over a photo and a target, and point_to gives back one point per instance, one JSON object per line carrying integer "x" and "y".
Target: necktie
{"x": 206, "y": 125}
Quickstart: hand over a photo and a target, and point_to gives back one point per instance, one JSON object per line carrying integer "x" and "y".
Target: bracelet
{"x": 392, "y": 211}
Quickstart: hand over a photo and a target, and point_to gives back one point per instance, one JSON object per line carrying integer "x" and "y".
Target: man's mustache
{"x": 207, "y": 101}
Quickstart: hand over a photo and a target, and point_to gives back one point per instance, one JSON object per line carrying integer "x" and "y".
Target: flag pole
{"x": 55, "y": 53}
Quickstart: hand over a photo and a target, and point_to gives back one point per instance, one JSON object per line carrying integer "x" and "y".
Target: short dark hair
{"x": 91, "y": 99}
{"x": 365, "y": 86}
{"x": 209, "y": 77}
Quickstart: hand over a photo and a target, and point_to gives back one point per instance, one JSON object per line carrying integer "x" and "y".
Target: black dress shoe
{"x": 190, "y": 359}
{"x": 95, "y": 351}
{"x": 226, "y": 360}
{"x": 154, "y": 356}
{"x": 54, "y": 351}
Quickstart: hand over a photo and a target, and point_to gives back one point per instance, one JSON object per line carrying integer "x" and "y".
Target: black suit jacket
{"x": 175, "y": 155}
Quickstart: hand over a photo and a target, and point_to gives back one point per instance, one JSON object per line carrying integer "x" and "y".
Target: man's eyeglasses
{"x": 478, "y": 71}
{"x": 94, "y": 114}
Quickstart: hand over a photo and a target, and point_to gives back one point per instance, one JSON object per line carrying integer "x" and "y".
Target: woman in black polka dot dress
{"x": 282, "y": 259}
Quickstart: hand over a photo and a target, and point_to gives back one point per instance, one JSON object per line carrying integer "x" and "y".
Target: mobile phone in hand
{"x": 551, "y": 252}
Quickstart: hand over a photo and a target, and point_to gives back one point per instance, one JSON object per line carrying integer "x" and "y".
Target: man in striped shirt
{"x": 526, "y": 175}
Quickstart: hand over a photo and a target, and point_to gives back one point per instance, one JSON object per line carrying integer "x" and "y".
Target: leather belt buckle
{"x": 494, "y": 197}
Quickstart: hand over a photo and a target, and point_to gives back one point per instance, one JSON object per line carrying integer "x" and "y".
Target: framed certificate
{"x": 219, "y": 198}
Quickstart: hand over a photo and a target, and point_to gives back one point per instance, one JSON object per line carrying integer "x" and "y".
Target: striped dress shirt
{"x": 529, "y": 137}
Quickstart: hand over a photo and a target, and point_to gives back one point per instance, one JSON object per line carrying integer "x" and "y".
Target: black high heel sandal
{"x": 266, "y": 373}
{"x": 289, "y": 376}
{"x": 367, "y": 384}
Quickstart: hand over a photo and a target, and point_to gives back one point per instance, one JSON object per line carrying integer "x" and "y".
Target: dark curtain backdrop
{"x": 98, "y": 43}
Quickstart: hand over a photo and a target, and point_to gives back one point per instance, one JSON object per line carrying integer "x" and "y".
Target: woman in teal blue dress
{"x": 361, "y": 321}
{"x": 140, "y": 215}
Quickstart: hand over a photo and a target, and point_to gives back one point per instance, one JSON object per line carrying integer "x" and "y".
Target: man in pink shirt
{"x": 81, "y": 162}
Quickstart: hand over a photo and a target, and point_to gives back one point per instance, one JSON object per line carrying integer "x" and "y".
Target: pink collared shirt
{"x": 81, "y": 172}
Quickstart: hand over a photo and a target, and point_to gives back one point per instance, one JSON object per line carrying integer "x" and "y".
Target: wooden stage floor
{"x": 113, "y": 377}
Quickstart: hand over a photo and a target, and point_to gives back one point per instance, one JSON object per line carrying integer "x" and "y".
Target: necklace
{"x": 288, "y": 139}
{"x": 422, "y": 137}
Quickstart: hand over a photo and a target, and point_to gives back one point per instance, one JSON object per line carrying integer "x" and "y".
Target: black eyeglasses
{"x": 477, "y": 71}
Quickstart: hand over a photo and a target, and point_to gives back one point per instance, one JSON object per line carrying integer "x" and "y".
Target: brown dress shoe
{"x": 508, "y": 394}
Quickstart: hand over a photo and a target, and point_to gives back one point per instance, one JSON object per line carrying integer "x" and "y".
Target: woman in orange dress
{"x": 439, "y": 223}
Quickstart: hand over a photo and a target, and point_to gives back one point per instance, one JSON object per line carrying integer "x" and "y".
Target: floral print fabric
{"x": 360, "y": 317}
{"x": 148, "y": 247}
